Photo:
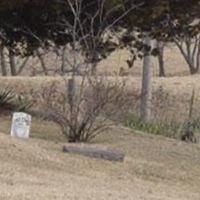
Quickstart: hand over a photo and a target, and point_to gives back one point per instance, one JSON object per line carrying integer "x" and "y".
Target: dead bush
{"x": 87, "y": 108}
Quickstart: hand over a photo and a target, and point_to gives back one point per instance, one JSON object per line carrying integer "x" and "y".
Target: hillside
{"x": 154, "y": 168}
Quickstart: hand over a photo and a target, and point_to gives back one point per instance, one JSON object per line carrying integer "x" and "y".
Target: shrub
{"x": 9, "y": 101}
{"x": 22, "y": 103}
{"x": 87, "y": 108}
{"x": 6, "y": 95}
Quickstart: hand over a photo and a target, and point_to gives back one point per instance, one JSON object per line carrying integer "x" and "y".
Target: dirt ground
{"x": 155, "y": 168}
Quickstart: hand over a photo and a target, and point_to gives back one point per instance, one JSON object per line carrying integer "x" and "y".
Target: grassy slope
{"x": 154, "y": 168}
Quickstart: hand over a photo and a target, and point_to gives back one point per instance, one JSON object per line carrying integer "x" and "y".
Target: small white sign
{"x": 21, "y": 123}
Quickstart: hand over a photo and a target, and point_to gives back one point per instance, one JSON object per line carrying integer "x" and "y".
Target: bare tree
{"x": 190, "y": 49}
{"x": 84, "y": 110}
{"x": 88, "y": 103}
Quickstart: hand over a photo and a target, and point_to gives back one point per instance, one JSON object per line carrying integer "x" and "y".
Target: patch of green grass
{"x": 168, "y": 129}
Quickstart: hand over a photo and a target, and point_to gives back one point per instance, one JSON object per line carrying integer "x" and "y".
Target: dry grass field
{"x": 180, "y": 87}
{"x": 155, "y": 167}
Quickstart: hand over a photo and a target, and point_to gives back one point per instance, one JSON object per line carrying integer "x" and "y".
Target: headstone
{"x": 21, "y": 123}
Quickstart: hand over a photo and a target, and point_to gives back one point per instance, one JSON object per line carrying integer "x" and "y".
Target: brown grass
{"x": 178, "y": 87}
{"x": 154, "y": 168}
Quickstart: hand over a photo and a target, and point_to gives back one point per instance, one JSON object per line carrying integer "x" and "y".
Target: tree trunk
{"x": 22, "y": 66}
{"x": 146, "y": 94}
{"x": 63, "y": 61}
{"x": 161, "y": 59}
{"x": 193, "y": 70}
{"x": 190, "y": 49}
{"x": 39, "y": 55}
{"x": 71, "y": 98}
{"x": 12, "y": 63}
{"x": 94, "y": 69}
{"x": 3, "y": 62}
{"x": 94, "y": 64}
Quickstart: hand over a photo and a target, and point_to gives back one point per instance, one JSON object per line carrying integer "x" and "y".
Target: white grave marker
{"x": 21, "y": 123}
